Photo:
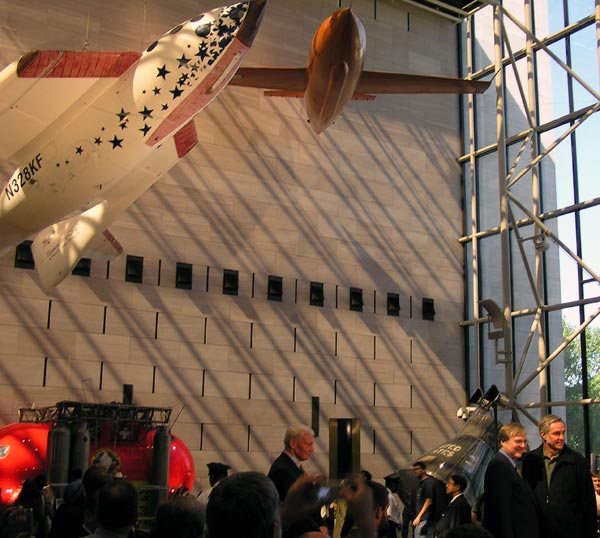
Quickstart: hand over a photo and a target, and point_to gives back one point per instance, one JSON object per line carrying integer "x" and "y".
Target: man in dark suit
{"x": 510, "y": 510}
{"x": 458, "y": 511}
{"x": 560, "y": 479}
{"x": 287, "y": 468}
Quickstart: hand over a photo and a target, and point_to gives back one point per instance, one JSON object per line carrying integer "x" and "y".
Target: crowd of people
{"x": 546, "y": 492}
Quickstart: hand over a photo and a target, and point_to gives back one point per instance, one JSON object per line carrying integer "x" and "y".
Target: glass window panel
{"x": 467, "y": 199}
{"x": 473, "y": 380}
{"x": 579, "y": 9}
{"x": 516, "y": 37}
{"x": 485, "y": 118}
{"x": 584, "y": 54}
{"x": 516, "y": 111}
{"x": 544, "y": 24}
{"x": 590, "y": 290}
{"x": 556, "y": 369}
{"x": 592, "y": 351}
{"x": 463, "y": 48}
{"x": 557, "y": 164}
{"x": 570, "y": 318}
{"x": 469, "y": 277}
{"x": 552, "y": 13}
{"x": 526, "y": 357}
{"x": 573, "y": 391}
{"x": 552, "y": 84}
{"x": 483, "y": 30}
{"x": 594, "y": 432}
{"x": 568, "y": 267}
{"x": 525, "y": 297}
{"x": 590, "y": 220}
{"x": 552, "y": 272}
{"x": 491, "y": 269}
{"x": 517, "y": 158}
{"x": 575, "y": 427}
{"x": 466, "y": 131}
{"x": 547, "y": 175}
{"x": 588, "y": 158}
{"x": 488, "y": 203}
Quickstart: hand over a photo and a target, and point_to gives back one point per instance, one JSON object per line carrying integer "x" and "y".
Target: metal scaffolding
{"x": 516, "y": 250}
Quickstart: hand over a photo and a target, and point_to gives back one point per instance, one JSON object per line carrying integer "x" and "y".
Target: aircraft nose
{"x": 343, "y": 19}
{"x": 249, "y": 28}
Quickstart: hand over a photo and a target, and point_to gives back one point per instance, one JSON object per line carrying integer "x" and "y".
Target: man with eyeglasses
{"x": 560, "y": 480}
{"x": 509, "y": 505}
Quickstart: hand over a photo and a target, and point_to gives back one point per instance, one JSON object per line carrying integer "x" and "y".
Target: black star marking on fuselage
{"x": 116, "y": 142}
{"x": 147, "y": 112}
{"x": 202, "y": 51}
{"x": 223, "y": 28}
{"x": 165, "y": 106}
{"x": 163, "y": 72}
{"x": 156, "y": 90}
{"x": 123, "y": 125}
{"x": 176, "y": 92}
{"x": 183, "y": 61}
{"x": 79, "y": 150}
{"x": 183, "y": 79}
{"x": 97, "y": 141}
{"x": 122, "y": 115}
{"x": 145, "y": 129}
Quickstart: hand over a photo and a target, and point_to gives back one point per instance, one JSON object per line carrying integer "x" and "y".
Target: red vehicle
{"x": 74, "y": 434}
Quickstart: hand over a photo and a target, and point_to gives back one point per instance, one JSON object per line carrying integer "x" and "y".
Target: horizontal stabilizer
{"x": 58, "y": 248}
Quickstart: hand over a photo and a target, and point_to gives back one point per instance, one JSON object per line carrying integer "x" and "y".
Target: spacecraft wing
{"x": 271, "y": 78}
{"x": 41, "y": 86}
{"x": 375, "y": 82}
{"x": 371, "y": 82}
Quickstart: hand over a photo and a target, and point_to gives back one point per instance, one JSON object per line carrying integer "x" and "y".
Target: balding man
{"x": 298, "y": 445}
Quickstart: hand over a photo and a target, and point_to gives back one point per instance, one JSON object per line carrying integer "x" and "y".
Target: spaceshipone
{"x": 92, "y": 131}
{"x": 334, "y": 74}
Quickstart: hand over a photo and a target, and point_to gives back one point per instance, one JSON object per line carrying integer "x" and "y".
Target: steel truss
{"x": 530, "y": 249}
